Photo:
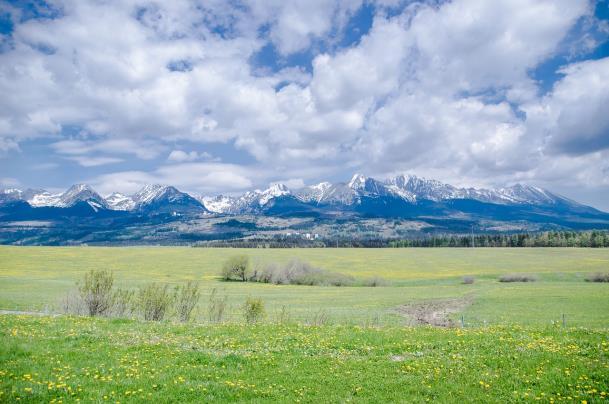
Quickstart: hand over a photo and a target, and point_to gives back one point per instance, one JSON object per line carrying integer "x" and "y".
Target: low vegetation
{"x": 70, "y": 359}
{"x": 253, "y": 310}
{"x": 154, "y": 301}
{"x": 294, "y": 272}
{"x": 598, "y": 277}
{"x": 95, "y": 291}
{"x": 468, "y": 280}
{"x": 96, "y": 296}
{"x": 236, "y": 268}
{"x": 518, "y": 278}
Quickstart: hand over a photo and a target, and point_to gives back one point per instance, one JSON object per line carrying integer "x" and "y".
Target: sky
{"x": 223, "y": 96}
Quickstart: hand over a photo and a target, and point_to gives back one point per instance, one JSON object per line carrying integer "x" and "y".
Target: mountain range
{"x": 437, "y": 205}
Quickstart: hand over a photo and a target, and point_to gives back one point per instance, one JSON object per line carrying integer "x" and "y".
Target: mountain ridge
{"x": 407, "y": 188}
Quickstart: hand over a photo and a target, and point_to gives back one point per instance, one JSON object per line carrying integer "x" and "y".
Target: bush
{"x": 123, "y": 303}
{"x": 236, "y": 268}
{"x": 154, "y": 301}
{"x": 95, "y": 291}
{"x": 598, "y": 277}
{"x": 375, "y": 281}
{"x": 216, "y": 307}
{"x": 468, "y": 280}
{"x": 72, "y": 303}
{"x": 253, "y": 310}
{"x": 517, "y": 278}
{"x": 297, "y": 272}
{"x": 186, "y": 298}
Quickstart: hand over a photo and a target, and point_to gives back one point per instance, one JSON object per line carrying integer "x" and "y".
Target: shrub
{"x": 297, "y": 272}
{"x": 598, "y": 277}
{"x": 216, "y": 306}
{"x": 186, "y": 298}
{"x": 236, "y": 268}
{"x": 95, "y": 291}
{"x": 122, "y": 303}
{"x": 517, "y": 278}
{"x": 468, "y": 280}
{"x": 154, "y": 301}
{"x": 253, "y": 310}
{"x": 72, "y": 303}
{"x": 375, "y": 281}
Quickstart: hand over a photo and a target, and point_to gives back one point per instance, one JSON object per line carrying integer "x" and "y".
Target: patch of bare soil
{"x": 433, "y": 312}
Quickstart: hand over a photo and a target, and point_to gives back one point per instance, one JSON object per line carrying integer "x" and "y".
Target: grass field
{"x": 34, "y": 277}
{"x": 514, "y": 346}
{"x": 65, "y": 359}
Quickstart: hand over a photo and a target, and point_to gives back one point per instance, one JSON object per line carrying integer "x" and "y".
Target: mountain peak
{"x": 358, "y": 181}
{"x": 81, "y": 193}
{"x": 273, "y": 191}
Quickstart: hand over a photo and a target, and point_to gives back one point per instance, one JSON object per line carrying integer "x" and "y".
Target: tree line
{"x": 590, "y": 239}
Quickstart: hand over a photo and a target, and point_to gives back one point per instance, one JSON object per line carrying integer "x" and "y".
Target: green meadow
{"x": 72, "y": 359}
{"x": 36, "y": 278}
{"x": 546, "y": 340}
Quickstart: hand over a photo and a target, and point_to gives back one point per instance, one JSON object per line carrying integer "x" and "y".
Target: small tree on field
{"x": 95, "y": 290}
{"x": 236, "y": 268}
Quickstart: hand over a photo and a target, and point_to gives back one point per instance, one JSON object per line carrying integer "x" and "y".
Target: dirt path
{"x": 433, "y": 312}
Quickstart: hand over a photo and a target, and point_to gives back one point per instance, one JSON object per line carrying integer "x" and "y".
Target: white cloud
{"x": 574, "y": 115}
{"x": 94, "y": 161}
{"x": 181, "y": 156}
{"x": 444, "y": 89}
{"x": 207, "y": 178}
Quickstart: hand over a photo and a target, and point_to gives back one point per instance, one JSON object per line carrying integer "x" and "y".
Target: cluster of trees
{"x": 592, "y": 239}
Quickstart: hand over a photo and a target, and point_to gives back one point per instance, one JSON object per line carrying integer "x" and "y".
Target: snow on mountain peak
{"x": 118, "y": 201}
{"x": 81, "y": 193}
{"x": 358, "y": 181}
{"x": 148, "y": 193}
{"x": 273, "y": 191}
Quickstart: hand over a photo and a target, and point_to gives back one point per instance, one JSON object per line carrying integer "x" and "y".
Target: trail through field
{"x": 434, "y": 312}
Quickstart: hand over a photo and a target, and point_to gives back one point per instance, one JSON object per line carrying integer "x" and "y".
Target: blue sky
{"x": 220, "y": 97}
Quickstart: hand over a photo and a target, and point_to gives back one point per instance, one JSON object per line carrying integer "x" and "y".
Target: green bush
{"x": 95, "y": 291}
{"x": 154, "y": 301}
{"x": 253, "y": 310}
{"x": 186, "y": 298}
{"x": 122, "y": 303}
{"x": 236, "y": 268}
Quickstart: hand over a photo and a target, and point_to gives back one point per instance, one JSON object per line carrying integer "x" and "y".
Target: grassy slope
{"x": 65, "y": 358}
{"x": 31, "y": 277}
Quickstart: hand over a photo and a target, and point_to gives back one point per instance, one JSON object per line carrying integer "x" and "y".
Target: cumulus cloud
{"x": 181, "y": 156}
{"x": 203, "y": 178}
{"x": 442, "y": 89}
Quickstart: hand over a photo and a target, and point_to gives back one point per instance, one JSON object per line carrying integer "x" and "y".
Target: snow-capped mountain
{"x": 118, "y": 201}
{"x": 164, "y": 198}
{"x": 81, "y": 193}
{"x": 218, "y": 204}
{"x": 391, "y": 194}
